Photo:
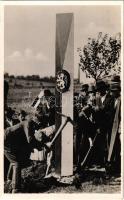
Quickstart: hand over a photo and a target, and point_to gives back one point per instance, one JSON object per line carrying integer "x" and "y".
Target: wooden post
{"x": 64, "y": 100}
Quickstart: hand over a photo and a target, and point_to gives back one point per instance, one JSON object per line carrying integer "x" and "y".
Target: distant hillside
{"x": 30, "y": 82}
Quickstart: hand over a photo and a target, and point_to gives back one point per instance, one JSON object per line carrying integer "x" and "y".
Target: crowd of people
{"x": 97, "y": 116}
{"x": 97, "y": 129}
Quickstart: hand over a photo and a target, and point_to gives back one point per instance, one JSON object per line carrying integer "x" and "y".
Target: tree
{"x": 101, "y": 56}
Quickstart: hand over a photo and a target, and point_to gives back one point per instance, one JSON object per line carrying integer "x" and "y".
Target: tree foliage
{"x": 101, "y": 56}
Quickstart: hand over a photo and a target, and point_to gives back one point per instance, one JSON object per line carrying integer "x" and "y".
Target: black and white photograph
{"x": 62, "y": 99}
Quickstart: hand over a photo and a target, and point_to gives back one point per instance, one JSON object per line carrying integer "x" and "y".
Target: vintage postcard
{"x": 61, "y": 100}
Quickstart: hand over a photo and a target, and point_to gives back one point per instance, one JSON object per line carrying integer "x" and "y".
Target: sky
{"x": 29, "y": 35}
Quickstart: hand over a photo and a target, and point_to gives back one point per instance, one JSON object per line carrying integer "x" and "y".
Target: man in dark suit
{"x": 102, "y": 117}
{"x": 85, "y": 126}
{"x": 114, "y": 131}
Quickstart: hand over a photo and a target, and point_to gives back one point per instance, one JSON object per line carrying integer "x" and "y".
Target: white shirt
{"x": 103, "y": 98}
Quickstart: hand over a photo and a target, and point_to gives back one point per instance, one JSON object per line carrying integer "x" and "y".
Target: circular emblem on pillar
{"x": 62, "y": 81}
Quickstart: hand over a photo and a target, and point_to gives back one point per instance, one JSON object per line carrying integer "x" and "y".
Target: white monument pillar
{"x": 64, "y": 99}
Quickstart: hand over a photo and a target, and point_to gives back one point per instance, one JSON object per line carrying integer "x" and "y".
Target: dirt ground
{"x": 89, "y": 181}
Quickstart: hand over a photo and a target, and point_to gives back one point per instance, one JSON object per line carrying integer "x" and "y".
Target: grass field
{"x": 23, "y": 98}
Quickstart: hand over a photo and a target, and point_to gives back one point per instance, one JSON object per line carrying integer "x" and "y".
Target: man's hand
{"x": 48, "y": 146}
{"x": 25, "y": 125}
{"x": 96, "y": 108}
{"x": 38, "y": 135}
{"x": 98, "y": 131}
{"x": 90, "y": 141}
{"x": 48, "y": 131}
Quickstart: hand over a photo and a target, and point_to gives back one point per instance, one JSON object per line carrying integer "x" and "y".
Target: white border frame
{"x": 38, "y": 196}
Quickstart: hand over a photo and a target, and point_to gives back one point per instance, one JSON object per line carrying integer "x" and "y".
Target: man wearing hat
{"x": 102, "y": 120}
{"x": 114, "y": 143}
{"x": 85, "y": 126}
{"x": 83, "y": 96}
{"x": 84, "y": 90}
{"x": 92, "y": 95}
